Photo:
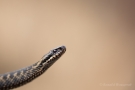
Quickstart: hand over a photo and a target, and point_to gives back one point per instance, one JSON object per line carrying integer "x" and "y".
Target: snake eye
{"x": 54, "y": 51}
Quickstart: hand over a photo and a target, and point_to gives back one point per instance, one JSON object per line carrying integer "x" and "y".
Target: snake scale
{"x": 20, "y": 77}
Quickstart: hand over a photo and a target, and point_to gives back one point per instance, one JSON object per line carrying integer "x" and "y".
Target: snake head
{"x": 57, "y": 52}
{"x": 48, "y": 59}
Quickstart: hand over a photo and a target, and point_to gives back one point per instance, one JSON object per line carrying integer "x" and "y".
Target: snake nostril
{"x": 63, "y": 48}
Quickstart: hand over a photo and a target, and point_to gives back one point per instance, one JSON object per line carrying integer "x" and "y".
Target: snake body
{"x": 23, "y": 76}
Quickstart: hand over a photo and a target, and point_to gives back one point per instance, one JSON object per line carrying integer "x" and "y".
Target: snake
{"x": 15, "y": 79}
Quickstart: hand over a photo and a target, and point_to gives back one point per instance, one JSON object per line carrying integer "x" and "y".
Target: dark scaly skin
{"x": 20, "y": 77}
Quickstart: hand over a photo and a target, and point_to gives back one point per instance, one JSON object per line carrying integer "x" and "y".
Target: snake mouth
{"x": 57, "y": 53}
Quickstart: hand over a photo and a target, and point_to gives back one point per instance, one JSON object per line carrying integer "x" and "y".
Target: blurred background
{"x": 99, "y": 36}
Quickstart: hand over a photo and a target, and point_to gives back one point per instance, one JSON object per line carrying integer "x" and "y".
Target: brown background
{"x": 99, "y": 36}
